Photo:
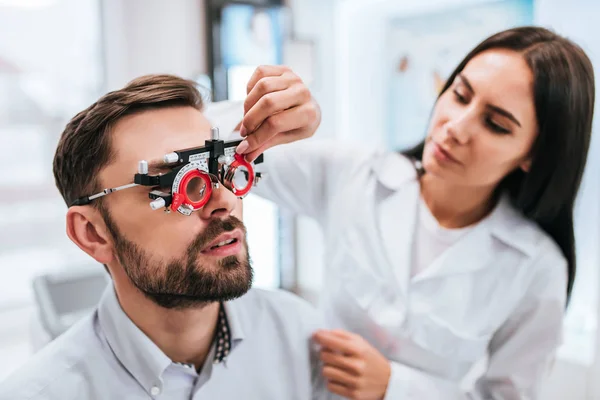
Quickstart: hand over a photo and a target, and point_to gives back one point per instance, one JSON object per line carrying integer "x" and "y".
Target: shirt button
{"x": 155, "y": 391}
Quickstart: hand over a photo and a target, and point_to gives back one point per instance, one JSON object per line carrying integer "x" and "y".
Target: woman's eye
{"x": 496, "y": 128}
{"x": 460, "y": 97}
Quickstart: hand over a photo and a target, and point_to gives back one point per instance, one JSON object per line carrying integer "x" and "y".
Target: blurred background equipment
{"x": 243, "y": 35}
{"x": 63, "y": 298}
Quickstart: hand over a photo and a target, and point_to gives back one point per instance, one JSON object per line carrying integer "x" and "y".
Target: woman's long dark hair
{"x": 564, "y": 103}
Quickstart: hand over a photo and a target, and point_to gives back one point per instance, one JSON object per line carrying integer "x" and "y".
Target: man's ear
{"x": 86, "y": 228}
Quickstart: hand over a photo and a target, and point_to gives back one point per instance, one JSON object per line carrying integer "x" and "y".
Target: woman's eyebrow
{"x": 505, "y": 113}
{"x": 494, "y": 108}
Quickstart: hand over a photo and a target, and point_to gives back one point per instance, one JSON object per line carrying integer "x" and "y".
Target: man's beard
{"x": 182, "y": 282}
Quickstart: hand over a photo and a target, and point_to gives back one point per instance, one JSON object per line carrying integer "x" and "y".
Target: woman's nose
{"x": 460, "y": 126}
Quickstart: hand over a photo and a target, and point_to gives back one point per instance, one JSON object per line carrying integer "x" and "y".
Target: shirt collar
{"x": 510, "y": 226}
{"x": 141, "y": 356}
{"x": 232, "y": 311}
{"x": 394, "y": 170}
{"x": 233, "y": 326}
{"x": 222, "y": 341}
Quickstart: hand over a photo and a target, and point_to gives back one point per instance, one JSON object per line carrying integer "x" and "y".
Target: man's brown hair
{"x": 85, "y": 146}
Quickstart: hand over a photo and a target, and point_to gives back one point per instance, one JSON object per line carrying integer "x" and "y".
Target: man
{"x": 179, "y": 320}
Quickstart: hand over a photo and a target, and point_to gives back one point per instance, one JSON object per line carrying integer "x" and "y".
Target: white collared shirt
{"x": 432, "y": 239}
{"x": 107, "y": 357}
{"x": 497, "y": 294}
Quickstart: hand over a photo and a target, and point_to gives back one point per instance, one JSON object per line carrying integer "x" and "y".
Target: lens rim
{"x": 185, "y": 181}
{"x": 238, "y": 162}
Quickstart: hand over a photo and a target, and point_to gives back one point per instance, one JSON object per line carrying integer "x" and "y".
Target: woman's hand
{"x": 353, "y": 368}
{"x": 278, "y": 109}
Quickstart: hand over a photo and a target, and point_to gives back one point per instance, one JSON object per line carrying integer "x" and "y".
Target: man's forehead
{"x": 152, "y": 134}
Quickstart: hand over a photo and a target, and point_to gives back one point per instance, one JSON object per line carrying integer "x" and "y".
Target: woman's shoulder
{"x": 390, "y": 167}
{"x": 393, "y": 169}
{"x": 543, "y": 254}
{"x": 509, "y": 224}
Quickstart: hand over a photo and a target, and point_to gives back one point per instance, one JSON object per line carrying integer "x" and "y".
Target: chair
{"x": 65, "y": 297}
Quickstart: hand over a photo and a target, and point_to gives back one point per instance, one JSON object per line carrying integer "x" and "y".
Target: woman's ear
{"x": 526, "y": 165}
{"x": 86, "y": 228}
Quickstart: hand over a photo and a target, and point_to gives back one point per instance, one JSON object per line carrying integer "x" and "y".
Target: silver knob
{"x": 223, "y": 159}
{"x": 158, "y": 203}
{"x": 143, "y": 167}
{"x": 171, "y": 158}
{"x": 185, "y": 209}
{"x": 214, "y": 133}
{"x": 257, "y": 177}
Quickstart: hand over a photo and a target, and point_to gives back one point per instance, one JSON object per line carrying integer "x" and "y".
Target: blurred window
{"x": 50, "y": 68}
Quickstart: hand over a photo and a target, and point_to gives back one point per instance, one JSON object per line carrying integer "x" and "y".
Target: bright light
{"x": 30, "y": 4}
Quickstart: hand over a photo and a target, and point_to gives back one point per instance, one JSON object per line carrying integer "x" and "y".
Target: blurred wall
{"x": 313, "y": 20}
{"x": 135, "y": 29}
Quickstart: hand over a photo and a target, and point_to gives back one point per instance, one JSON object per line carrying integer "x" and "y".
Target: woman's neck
{"x": 456, "y": 206}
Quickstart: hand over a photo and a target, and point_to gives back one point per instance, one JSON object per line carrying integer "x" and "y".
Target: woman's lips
{"x": 443, "y": 155}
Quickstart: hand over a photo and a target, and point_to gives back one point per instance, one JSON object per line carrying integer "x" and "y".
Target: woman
{"x": 460, "y": 249}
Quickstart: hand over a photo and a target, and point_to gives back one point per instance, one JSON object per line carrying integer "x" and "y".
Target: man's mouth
{"x": 224, "y": 245}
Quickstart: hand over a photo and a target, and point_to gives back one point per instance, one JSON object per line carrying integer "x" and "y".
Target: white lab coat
{"x": 497, "y": 294}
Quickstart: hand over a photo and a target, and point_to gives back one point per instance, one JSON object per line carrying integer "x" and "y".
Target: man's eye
{"x": 165, "y": 189}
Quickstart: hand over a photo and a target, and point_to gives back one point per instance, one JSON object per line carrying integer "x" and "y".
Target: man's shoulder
{"x": 55, "y": 370}
{"x": 279, "y": 301}
{"x": 286, "y": 309}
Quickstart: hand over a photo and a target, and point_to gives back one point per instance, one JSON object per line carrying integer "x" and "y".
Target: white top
{"x": 499, "y": 292}
{"x": 432, "y": 239}
{"x": 107, "y": 357}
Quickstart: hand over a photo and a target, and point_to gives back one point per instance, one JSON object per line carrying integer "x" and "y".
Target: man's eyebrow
{"x": 158, "y": 166}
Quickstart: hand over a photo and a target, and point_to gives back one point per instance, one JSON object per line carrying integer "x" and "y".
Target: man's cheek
{"x": 239, "y": 210}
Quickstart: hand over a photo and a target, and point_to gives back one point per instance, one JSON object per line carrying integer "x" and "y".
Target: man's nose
{"x": 221, "y": 203}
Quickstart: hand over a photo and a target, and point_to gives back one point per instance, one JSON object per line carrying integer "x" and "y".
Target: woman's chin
{"x": 433, "y": 167}
{"x": 429, "y": 162}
